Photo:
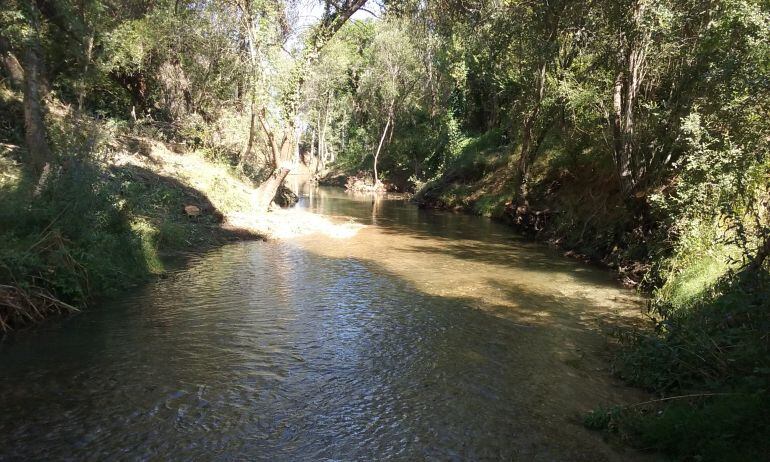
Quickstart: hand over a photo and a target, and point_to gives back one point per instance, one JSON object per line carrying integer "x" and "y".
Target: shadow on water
{"x": 460, "y": 236}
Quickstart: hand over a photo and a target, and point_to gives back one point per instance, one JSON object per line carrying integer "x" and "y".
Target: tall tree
{"x": 29, "y": 73}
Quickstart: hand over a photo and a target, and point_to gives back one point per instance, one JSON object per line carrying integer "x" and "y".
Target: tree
{"x": 390, "y": 79}
{"x": 29, "y": 73}
{"x": 281, "y": 77}
{"x": 634, "y": 34}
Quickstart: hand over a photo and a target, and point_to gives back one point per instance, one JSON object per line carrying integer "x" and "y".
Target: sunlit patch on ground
{"x": 10, "y": 170}
{"x": 232, "y": 196}
{"x": 286, "y": 224}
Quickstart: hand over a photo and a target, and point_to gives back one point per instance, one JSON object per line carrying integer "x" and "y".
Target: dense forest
{"x": 631, "y": 133}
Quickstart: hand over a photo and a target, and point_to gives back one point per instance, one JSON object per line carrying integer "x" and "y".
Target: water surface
{"x": 427, "y": 336}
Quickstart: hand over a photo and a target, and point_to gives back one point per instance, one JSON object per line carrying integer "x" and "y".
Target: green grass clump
{"x": 69, "y": 241}
{"x": 709, "y": 428}
{"x": 692, "y": 282}
{"x": 148, "y": 236}
{"x": 714, "y": 345}
{"x": 492, "y": 205}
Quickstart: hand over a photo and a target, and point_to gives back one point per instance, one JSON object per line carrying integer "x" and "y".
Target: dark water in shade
{"x": 427, "y": 336}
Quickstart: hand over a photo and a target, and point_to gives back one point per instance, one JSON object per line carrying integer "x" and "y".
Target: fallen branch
{"x": 671, "y": 398}
{"x": 19, "y": 306}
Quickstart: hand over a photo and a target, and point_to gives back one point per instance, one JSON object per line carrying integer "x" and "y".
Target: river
{"x": 426, "y": 336}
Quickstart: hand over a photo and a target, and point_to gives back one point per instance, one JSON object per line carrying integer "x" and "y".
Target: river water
{"x": 427, "y": 336}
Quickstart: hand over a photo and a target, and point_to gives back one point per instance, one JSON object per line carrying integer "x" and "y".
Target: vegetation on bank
{"x": 704, "y": 261}
{"x": 104, "y": 219}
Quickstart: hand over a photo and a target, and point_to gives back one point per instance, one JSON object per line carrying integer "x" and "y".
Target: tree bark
{"x": 382, "y": 140}
{"x": 332, "y": 21}
{"x": 28, "y": 77}
{"x": 249, "y": 35}
{"x": 279, "y": 164}
{"x": 88, "y": 57}
{"x": 249, "y": 148}
{"x": 34, "y": 125}
{"x": 527, "y": 145}
{"x": 762, "y": 255}
{"x": 11, "y": 64}
{"x": 266, "y": 191}
{"x": 621, "y": 137}
{"x": 634, "y": 41}
{"x": 325, "y": 127}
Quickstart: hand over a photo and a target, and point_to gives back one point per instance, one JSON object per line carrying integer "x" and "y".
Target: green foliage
{"x": 717, "y": 341}
{"x": 732, "y": 428}
{"x": 697, "y": 213}
{"x": 729, "y": 427}
{"x": 73, "y": 248}
{"x": 92, "y": 232}
{"x": 717, "y": 345}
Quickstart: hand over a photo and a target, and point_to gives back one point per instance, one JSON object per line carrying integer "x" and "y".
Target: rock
{"x": 333, "y": 179}
{"x": 363, "y": 183}
{"x": 285, "y": 197}
{"x": 177, "y": 148}
{"x": 192, "y": 211}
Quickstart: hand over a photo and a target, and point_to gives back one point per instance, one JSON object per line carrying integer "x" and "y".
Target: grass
{"x": 692, "y": 281}
{"x": 148, "y": 236}
{"x": 105, "y": 220}
{"x": 63, "y": 245}
{"x": 718, "y": 427}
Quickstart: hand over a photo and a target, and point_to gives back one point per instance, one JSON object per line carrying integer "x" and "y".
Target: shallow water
{"x": 427, "y": 336}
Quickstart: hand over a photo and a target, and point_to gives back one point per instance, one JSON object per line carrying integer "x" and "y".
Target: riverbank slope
{"x": 704, "y": 265}
{"x": 100, "y": 223}
{"x": 114, "y": 205}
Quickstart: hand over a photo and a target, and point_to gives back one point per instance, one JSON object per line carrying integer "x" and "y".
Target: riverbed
{"x": 425, "y": 336}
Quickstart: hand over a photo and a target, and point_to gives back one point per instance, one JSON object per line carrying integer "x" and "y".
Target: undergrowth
{"x": 90, "y": 229}
{"x": 68, "y": 242}
{"x": 703, "y": 427}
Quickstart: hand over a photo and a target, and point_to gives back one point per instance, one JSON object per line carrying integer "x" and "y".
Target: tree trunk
{"x": 265, "y": 193}
{"x": 251, "y": 44}
{"x": 279, "y": 161}
{"x": 634, "y": 41}
{"x": 621, "y": 137}
{"x": 382, "y": 140}
{"x": 527, "y": 146}
{"x": 28, "y": 77}
{"x": 11, "y": 64}
{"x": 323, "y": 149}
{"x": 88, "y": 52}
{"x": 313, "y": 153}
{"x": 34, "y": 125}
{"x": 322, "y": 141}
{"x": 762, "y": 255}
{"x": 249, "y": 148}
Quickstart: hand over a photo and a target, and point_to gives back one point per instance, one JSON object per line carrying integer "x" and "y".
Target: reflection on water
{"x": 426, "y": 336}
